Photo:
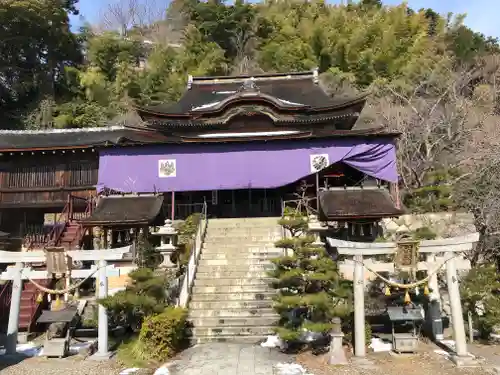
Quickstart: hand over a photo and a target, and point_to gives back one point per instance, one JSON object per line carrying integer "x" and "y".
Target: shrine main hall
{"x": 242, "y": 144}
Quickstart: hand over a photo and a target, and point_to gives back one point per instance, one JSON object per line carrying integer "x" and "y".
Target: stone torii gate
{"x": 21, "y": 272}
{"x": 450, "y": 247}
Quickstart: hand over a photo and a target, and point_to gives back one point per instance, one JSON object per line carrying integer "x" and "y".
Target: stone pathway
{"x": 228, "y": 359}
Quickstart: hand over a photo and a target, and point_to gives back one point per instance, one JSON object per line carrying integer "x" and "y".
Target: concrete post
{"x": 456, "y": 307}
{"x": 102, "y": 341}
{"x": 359, "y": 307}
{"x": 15, "y": 304}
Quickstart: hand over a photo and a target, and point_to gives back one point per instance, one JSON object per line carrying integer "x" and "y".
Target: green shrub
{"x": 349, "y": 333}
{"x": 145, "y": 295}
{"x": 164, "y": 334}
{"x": 187, "y": 232}
{"x": 480, "y": 296}
{"x": 424, "y": 233}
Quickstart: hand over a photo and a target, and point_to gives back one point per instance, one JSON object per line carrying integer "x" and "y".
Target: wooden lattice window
{"x": 32, "y": 176}
{"x": 83, "y": 173}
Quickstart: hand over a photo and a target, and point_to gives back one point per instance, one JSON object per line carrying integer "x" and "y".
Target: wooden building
{"x": 242, "y": 143}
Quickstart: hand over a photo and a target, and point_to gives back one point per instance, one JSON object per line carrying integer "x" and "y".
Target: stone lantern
{"x": 168, "y": 243}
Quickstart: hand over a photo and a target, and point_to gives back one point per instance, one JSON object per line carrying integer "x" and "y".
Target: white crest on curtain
{"x": 318, "y": 162}
{"x": 167, "y": 168}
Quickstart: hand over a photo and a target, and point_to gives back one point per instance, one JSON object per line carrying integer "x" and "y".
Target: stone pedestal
{"x": 166, "y": 252}
{"x": 168, "y": 243}
{"x": 336, "y": 353}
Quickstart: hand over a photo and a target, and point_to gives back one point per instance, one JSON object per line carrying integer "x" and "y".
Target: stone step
{"x": 216, "y": 282}
{"x": 214, "y": 273}
{"x": 232, "y": 289}
{"x": 244, "y": 221}
{"x": 243, "y": 296}
{"x": 228, "y": 322}
{"x": 241, "y": 248}
{"x": 231, "y": 241}
{"x": 234, "y": 256}
{"x": 238, "y": 240}
{"x": 231, "y": 313}
{"x": 255, "y": 340}
{"x": 245, "y": 230}
{"x": 232, "y": 247}
{"x": 230, "y": 305}
{"x": 233, "y": 331}
{"x": 203, "y": 268}
{"x": 235, "y": 261}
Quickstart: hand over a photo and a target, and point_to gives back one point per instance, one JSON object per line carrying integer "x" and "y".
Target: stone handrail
{"x": 187, "y": 282}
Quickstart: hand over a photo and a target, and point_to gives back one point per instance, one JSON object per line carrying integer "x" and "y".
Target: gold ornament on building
{"x": 426, "y": 290}
{"x": 407, "y": 297}
{"x": 406, "y": 257}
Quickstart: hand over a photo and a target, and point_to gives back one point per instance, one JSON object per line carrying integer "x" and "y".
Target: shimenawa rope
{"x": 412, "y": 285}
{"x": 61, "y": 291}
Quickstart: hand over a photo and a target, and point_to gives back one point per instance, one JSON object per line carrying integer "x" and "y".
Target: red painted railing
{"x": 58, "y": 230}
{"x": 88, "y": 211}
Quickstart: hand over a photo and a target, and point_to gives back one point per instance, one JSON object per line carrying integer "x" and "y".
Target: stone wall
{"x": 443, "y": 224}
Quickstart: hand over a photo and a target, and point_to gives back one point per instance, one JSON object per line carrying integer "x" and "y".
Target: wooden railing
{"x": 192, "y": 266}
{"x": 40, "y": 238}
{"x": 88, "y": 211}
{"x": 57, "y": 231}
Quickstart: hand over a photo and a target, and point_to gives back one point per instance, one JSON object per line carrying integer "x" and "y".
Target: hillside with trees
{"x": 430, "y": 77}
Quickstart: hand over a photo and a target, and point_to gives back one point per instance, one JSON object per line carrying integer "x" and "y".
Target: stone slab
{"x": 227, "y": 359}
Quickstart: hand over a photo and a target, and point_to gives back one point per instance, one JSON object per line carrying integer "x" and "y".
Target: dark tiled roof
{"x": 19, "y": 140}
{"x": 339, "y": 204}
{"x": 125, "y": 210}
{"x": 292, "y": 91}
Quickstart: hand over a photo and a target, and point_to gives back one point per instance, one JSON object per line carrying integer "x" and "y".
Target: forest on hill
{"x": 430, "y": 77}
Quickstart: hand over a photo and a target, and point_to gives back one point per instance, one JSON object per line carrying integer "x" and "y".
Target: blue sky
{"x": 481, "y": 14}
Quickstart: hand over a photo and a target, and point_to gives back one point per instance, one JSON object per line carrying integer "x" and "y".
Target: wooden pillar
{"x": 233, "y": 202}
{"x": 265, "y": 201}
{"x": 317, "y": 192}
{"x": 250, "y": 201}
{"x": 173, "y": 206}
{"x": 105, "y": 238}
{"x": 359, "y": 307}
{"x": 394, "y": 191}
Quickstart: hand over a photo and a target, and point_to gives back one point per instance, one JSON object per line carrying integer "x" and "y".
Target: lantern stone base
{"x": 337, "y": 353}
{"x": 166, "y": 254}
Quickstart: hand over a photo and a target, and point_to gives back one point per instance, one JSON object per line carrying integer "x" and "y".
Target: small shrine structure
{"x": 438, "y": 255}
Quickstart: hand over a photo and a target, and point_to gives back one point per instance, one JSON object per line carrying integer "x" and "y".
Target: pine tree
{"x": 308, "y": 280}
{"x": 144, "y": 295}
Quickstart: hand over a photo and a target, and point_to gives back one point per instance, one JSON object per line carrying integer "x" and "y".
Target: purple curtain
{"x": 192, "y": 167}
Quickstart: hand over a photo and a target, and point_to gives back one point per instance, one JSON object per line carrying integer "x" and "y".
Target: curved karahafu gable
{"x": 289, "y": 100}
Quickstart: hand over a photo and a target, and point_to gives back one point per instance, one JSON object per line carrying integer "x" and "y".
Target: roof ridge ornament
{"x": 249, "y": 86}
{"x": 316, "y": 75}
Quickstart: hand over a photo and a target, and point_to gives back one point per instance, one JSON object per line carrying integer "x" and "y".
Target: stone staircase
{"x": 231, "y": 298}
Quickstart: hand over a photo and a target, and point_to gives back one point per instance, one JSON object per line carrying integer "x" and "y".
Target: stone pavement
{"x": 228, "y": 359}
